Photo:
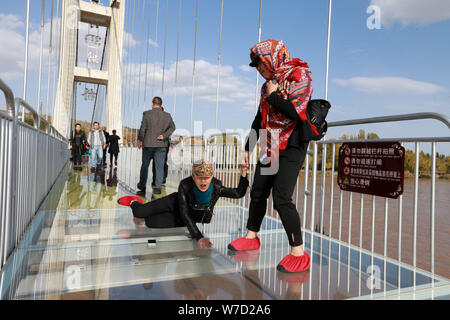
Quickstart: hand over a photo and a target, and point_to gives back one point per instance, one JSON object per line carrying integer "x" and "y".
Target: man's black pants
{"x": 166, "y": 169}
{"x": 160, "y": 213}
{"x": 282, "y": 185}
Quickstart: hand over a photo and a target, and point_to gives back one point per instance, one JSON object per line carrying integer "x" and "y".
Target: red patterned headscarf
{"x": 294, "y": 79}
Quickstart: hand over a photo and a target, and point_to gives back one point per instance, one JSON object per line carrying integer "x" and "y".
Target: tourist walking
{"x": 106, "y": 133}
{"x": 97, "y": 142}
{"x": 156, "y": 128}
{"x": 76, "y": 144}
{"x": 113, "y": 148}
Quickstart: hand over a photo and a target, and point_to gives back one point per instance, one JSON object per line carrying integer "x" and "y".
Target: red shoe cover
{"x": 110, "y": 165}
{"x": 250, "y": 256}
{"x": 243, "y": 244}
{"x": 300, "y": 277}
{"x": 292, "y": 263}
{"x": 126, "y": 201}
{"x": 123, "y": 234}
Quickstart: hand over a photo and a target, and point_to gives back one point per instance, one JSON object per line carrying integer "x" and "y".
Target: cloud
{"x": 153, "y": 43}
{"x": 415, "y": 12}
{"x": 246, "y": 68}
{"x": 389, "y": 85}
{"x": 11, "y": 21}
{"x": 232, "y": 89}
{"x": 12, "y": 46}
{"x": 128, "y": 40}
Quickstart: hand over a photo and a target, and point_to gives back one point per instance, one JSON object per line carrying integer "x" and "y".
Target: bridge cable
{"x": 133, "y": 78}
{"x": 138, "y": 105}
{"x": 176, "y": 63}
{"x": 218, "y": 64}
{"x": 148, "y": 46}
{"x": 156, "y": 47}
{"x": 25, "y": 71}
{"x": 193, "y": 70}
{"x": 56, "y": 69}
{"x": 130, "y": 72}
{"x": 41, "y": 49}
{"x": 50, "y": 59}
{"x": 125, "y": 68}
{"x": 98, "y": 86}
{"x": 257, "y": 75}
{"x": 165, "y": 45}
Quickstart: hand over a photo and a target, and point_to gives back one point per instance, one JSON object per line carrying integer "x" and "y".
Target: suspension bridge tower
{"x": 111, "y": 17}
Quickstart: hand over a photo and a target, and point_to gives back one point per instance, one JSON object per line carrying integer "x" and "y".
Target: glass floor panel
{"x": 82, "y": 251}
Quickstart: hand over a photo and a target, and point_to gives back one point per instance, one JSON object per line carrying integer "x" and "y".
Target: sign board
{"x": 375, "y": 168}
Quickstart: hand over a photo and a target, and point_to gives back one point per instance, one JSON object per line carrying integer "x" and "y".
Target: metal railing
{"x": 392, "y": 240}
{"x": 31, "y": 159}
{"x": 325, "y": 212}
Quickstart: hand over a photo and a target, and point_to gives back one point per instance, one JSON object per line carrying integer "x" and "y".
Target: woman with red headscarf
{"x": 284, "y": 97}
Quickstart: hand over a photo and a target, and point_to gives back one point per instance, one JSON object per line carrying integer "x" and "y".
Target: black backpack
{"x": 315, "y": 127}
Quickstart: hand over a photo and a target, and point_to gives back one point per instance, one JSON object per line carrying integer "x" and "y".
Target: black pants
{"x": 166, "y": 169}
{"x": 111, "y": 155}
{"x": 76, "y": 155}
{"x": 104, "y": 155}
{"x": 282, "y": 185}
{"x": 160, "y": 213}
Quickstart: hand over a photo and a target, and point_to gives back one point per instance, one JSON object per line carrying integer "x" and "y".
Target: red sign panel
{"x": 375, "y": 168}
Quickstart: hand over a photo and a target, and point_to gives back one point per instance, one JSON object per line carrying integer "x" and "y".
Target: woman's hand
{"x": 245, "y": 164}
{"x": 271, "y": 86}
{"x": 204, "y": 243}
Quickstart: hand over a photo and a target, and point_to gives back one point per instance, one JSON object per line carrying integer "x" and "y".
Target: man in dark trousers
{"x": 106, "y": 133}
{"x": 166, "y": 167}
{"x": 156, "y": 128}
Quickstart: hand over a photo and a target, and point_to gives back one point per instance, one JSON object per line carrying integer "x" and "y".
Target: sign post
{"x": 375, "y": 168}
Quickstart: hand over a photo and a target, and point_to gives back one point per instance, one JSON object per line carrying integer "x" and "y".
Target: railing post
{"x": 313, "y": 196}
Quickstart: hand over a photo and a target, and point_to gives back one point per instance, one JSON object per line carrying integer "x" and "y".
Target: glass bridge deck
{"x": 82, "y": 245}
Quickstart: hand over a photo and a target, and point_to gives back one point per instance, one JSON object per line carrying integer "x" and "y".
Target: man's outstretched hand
{"x": 204, "y": 243}
{"x": 139, "y": 144}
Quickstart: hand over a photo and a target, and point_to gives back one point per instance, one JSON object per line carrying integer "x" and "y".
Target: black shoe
{"x": 157, "y": 190}
{"x": 140, "y": 193}
{"x": 153, "y": 185}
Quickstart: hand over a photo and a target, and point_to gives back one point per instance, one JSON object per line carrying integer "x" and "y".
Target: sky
{"x": 401, "y": 66}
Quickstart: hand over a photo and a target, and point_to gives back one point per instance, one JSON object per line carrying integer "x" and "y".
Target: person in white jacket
{"x": 97, "y": 142}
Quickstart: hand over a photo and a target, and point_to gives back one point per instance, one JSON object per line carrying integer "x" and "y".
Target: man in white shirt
{"x": 97, "y": 143}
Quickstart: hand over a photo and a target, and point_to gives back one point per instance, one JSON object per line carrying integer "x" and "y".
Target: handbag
{"x": 315, "y": 126}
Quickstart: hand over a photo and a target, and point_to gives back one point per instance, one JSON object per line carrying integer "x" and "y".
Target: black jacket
{"x": 287, "y": 109}
{"x": 77, "y": 140}
{"x": 193, "y": 212}
{"x": 106, "y": 133}
{"x": 113, "y": 140}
